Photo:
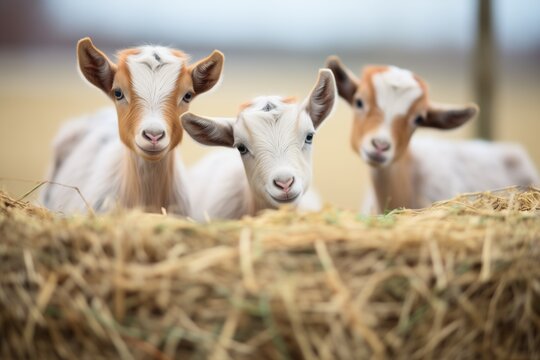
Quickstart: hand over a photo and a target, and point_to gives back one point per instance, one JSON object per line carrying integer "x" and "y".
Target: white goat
{"x": 389, "y": 104}
{"x": 127, "y": 156}
{"x": 273, "y": 137}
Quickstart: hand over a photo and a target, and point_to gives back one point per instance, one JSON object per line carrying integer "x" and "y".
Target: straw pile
{"x": 458, "y": 280}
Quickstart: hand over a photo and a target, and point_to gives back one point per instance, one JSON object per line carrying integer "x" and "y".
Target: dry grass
{"x": 458, "y": 280}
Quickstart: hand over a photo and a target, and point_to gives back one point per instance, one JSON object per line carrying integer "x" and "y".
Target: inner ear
{"x": 206, "y": 72}
{"x": 322, "y": 98}
{"x": 95, "y": 66}
{"x": 443, "y": 116}
{"x": 345, "y": 80}
{"x": 213, "y": 132}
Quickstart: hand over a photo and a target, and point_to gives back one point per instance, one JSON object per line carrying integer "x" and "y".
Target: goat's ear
{"x": 346, "y": 82}
{"x": 206, "y": 73}
{"x": 320, "y": 102}
{"x": 213, "y": 132}
{"x": 95, "y": 65}
{"x": 443, "y": 116}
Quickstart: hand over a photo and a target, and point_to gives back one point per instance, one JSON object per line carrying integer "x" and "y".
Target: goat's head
{"x": 151, "y": 86}
{"x": 389, "y": 103}
{"x": 274, "y": 136}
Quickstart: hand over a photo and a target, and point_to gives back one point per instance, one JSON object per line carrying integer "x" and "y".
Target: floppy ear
{"x": 346, "y": 82}
{"x": 206, "y": 73}
{"x": 320, "y": 102}
{"x": 95, "y": 65}
{"x": 443, "y": 116}
{"x": 213, "y": 132}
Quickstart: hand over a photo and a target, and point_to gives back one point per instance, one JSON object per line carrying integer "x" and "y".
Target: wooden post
{"x": 484, "y": 69}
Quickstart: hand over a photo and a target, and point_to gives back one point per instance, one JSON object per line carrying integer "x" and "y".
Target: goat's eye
{"x": 187, "y": 98}
{"x": 242, "y": 149}
{"x": 359, "y": 103}
{"x": 419, "y": 120}
{"x": 309, "y": 138}
{"x": 118, "y": 94}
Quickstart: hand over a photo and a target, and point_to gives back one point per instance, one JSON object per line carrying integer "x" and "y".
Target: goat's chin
{"x": 376, "y": 161}
{"x": 377, "y": 164}
{"x": 152, "y": 155}
{"x": 277, "y": 200}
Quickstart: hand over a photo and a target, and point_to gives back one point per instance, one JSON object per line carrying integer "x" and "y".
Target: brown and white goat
{"x": 271, "y": 165}
{"x": 389, "y": 104}
{"x": 127, "y": 156}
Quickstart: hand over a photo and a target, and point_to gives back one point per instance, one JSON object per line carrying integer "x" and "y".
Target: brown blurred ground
{"x": 40, "y": 90}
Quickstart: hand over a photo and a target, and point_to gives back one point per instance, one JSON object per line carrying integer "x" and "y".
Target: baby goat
{"x": 389, "y": 104}
{"x": 272, "y": 163}
{"x": 127, "y": 156}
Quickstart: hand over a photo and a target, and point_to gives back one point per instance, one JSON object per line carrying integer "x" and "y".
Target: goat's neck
{"x": 395, "y": 184}
{"x": 151, "y": 185}
{"x": 256, "y": 202}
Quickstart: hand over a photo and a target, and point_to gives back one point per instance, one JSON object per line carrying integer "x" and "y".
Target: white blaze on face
{"x": 274, "y": 133}
{"x": 154, "y": 73}
{"x": 395, "y": 91}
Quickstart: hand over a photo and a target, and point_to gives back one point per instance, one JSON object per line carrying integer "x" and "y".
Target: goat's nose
{"x": 153, "y": 135}
{"x": 381, "y": 144}
{"x": 284, "y": 183}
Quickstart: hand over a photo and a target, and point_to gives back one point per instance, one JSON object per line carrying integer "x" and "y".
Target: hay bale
{"x": 458, "y": 280}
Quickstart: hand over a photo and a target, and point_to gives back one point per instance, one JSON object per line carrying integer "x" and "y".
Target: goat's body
{"x": 89, "y": 155}
{"x": 437, "y": 169}
{"x": 220, "y": 189}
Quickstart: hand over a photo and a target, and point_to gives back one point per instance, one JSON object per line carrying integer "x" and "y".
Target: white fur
{"x": 229, "y": 185}
{"x": 220, "y": 189}
{"x": 468, "y": 166}
{"x": 442, "y": 169}
{"x": 395, "y": 91}
{"x": 95, "y": 167}
{"x": 436, "y": 169}
{"x": 153, "y": 81}
{"x": 89, "y": 155}
{"x": 276, "y": 143}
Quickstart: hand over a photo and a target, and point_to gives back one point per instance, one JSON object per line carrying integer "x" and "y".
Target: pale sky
{"x": 299, "y": 24}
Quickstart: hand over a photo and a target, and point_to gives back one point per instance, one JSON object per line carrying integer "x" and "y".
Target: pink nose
{"x": 153, "y": 135}
{"x": 380, "y": 145}
{"x": 284, "y": 184}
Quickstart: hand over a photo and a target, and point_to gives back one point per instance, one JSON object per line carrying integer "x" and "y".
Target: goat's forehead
{"x": 268, "y": 109}
{"x": 265, "y": 114}
{"x": 267, "y": 104}
{"x": 397, "y": 77}
{"x": 153, "y": 57}
{"x": 154, "y": 72}
{"x": 395, "y": 89}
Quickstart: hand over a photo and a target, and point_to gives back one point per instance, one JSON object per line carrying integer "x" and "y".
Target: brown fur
{"x": 290, "y": 100}
{"x": 366, "y": 121}
{"x": 141, "y": 188}
{"x": 148, "y": 187}
{"x": 146, "y": 178}
{"x": 397, "y": 184}
{"x": 403, "y": 128}
{"x": 287, "y": 100}
{"x": 389, "y": 192}
{"x": 243, "y": 106}
{"x": 129, "y": 114}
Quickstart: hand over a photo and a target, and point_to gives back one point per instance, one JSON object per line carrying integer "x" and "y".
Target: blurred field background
{"x": 273, "y": 47}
